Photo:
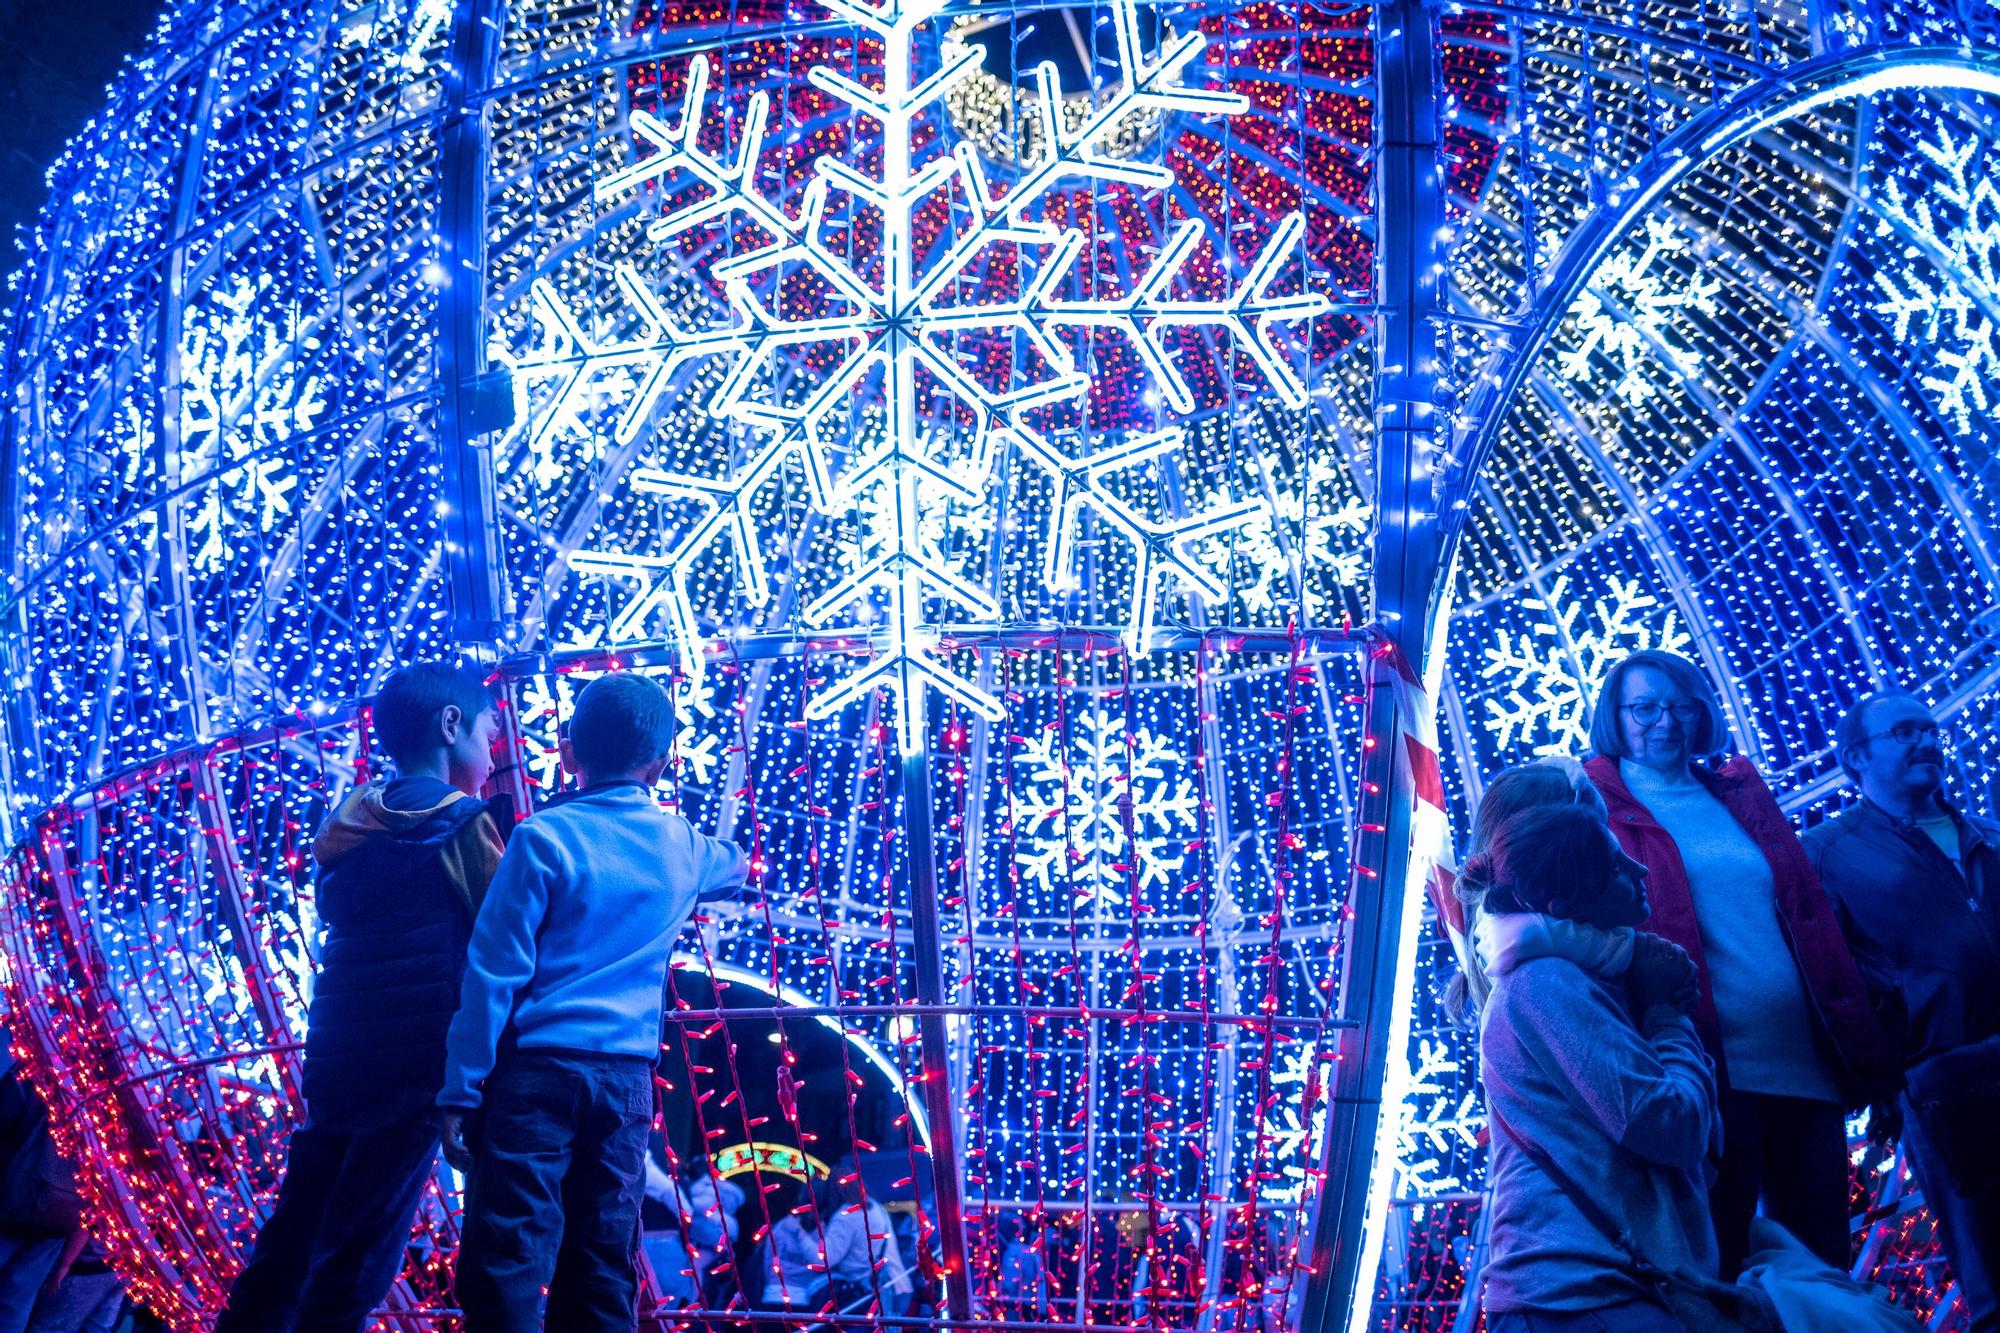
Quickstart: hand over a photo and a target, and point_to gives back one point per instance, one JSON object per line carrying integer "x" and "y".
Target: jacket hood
{"x": 364, "y": 816}
{"x": 1509, "y": 939}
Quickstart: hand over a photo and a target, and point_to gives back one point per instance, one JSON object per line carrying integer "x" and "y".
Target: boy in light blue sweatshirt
{"x": 548, "y": 1093}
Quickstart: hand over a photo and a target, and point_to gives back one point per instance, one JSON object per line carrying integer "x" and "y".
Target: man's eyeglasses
{"x": 1908, "y": 733}
{"x": 1648, "y": 712}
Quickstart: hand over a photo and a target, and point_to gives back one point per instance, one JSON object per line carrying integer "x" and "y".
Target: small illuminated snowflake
{"x": 1070, "y": 828}
{"x": 1298, "y": 1078}
{"x": 427, "y": 25}
{"x": 1953, "y": 218}
{"x": 1333, "y": 527}
{"x": 941, "y": 522}
{"x": 1633, "y": 311}
{"x": 546, "y": 700}
{"x": 1440, "y": 1123}
{"x": 1554, "y": 670}
{"x": 242, "y": 396}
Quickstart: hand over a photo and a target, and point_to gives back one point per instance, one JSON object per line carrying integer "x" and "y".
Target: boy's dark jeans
{"x": 553, "y": 1200}
{"x": 335, "y": 1241}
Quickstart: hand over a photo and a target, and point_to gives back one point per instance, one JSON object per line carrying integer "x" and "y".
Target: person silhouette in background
{"x": 703, "y": 1208}
{"x": 40, "y": 1213}
{"x": 862, "y": 1256}
{"x": 795, "y": 1267}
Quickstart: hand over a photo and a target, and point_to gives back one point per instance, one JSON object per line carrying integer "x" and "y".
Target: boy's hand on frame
{"x": 455, "y": 1150}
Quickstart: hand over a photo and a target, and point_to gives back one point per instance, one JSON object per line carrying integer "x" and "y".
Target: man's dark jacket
{"x": 398, "y": 891}
{"x": 1922, "y": 930}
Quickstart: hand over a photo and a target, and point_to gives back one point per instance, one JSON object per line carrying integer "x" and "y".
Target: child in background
{"x": 795, "y": 1267}
{"x": 404, "y": 864}
{"x": 553, "y": 1049}
{"x": 706, "y": 1205}
{"x": 862, "y": 1256}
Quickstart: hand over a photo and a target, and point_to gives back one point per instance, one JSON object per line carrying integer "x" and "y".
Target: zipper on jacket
{"x": 1920, "y": 844}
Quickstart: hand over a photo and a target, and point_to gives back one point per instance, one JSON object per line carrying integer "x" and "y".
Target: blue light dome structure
{"x": 1104, "y": 483}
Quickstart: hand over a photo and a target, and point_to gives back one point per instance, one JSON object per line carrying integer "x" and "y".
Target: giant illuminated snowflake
{"x": 1552, "y": 671}
{"x": 888, "y": 334}
{"x": 1073, "y": 803}
{"x": 1950, "y": 224}
{"x": 242, "y": 396}
{"x": 1633, "y": 310}
{"x": 1322, "y": 528}
{"x": 1439, "y": 1127}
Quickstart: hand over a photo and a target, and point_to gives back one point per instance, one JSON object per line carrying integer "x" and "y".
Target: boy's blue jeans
{"x": 333, "y": 1245}
{"x": 553, "y": 1200}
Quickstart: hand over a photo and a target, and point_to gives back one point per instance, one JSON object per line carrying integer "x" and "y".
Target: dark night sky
{"x": 55, "y": 58}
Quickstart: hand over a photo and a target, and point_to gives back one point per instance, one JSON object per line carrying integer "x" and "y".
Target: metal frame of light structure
{"x": 1775, "y": 99}
{"x": 911, "y": 777}
{"x": 789, "y": 998}
{"x": 1358, "y": 1156}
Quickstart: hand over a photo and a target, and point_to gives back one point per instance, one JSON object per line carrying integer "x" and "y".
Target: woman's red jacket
{"x": 1857, "y": 1050}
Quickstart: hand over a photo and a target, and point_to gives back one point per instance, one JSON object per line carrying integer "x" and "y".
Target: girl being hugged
{"x": 1602, "y": 1100}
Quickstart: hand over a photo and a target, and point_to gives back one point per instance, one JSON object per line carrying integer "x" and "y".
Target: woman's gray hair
{"x": 1607, "y": 738}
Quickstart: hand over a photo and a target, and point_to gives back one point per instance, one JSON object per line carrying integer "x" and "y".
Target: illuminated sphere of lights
{"x": 579, "y": 337}
{"x": 298, "y": 259}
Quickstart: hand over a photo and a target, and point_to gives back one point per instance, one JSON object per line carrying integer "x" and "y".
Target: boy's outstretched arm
{"x": 722, "y": 868}
{"x": 499, "y": 962}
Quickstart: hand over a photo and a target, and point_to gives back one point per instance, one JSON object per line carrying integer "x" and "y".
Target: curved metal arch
{"x": 1729, "y": 430}
{"x": 466, "y": 481}
{"x": 1755, "y": 109}
{"x": 787, "y": 998}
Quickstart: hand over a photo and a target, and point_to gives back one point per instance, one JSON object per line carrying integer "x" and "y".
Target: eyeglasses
{"x": 1648, "y": 712}
{"x": 1907, "y": 733}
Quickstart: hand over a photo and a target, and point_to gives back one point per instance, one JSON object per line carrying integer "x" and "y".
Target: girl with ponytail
{"x": 1522, "y": 787}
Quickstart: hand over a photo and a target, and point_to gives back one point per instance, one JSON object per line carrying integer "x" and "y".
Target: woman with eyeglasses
{"x": 1782, "y": 1009}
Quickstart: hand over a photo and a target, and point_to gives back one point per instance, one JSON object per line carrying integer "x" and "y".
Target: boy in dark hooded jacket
{"x": 404, "y": 865}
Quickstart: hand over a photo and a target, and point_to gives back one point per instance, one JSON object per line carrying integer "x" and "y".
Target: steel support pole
{"x": 193, "y": 714}
{"x": 1410, "y": 258}
{"x": 467, "y": 485}
{"x": 927, "y": 949}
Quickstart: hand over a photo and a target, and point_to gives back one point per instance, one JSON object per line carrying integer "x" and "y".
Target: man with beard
{"x": 1916, "y": 884}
